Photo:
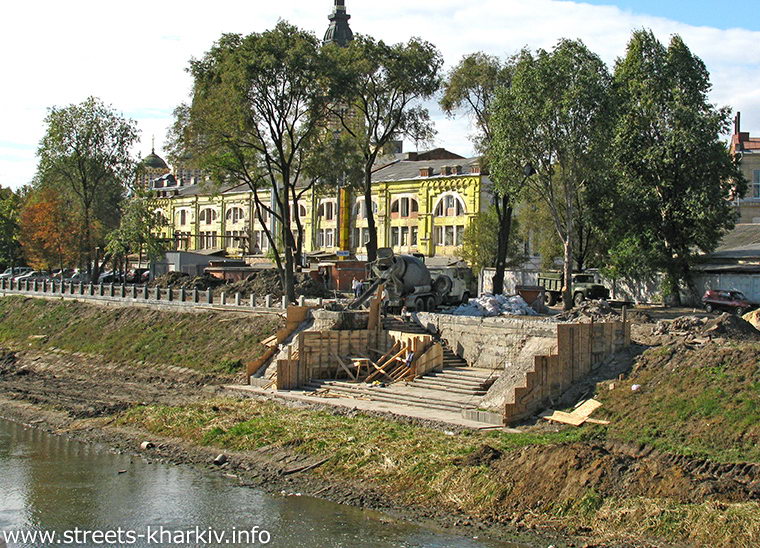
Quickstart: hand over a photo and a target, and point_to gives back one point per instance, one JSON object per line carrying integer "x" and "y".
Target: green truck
{"x": 584, "y": 287}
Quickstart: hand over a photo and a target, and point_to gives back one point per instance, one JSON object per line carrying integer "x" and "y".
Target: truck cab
{"x": 584, "y": 287}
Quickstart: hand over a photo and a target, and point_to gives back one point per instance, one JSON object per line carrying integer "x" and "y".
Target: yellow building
{"x": 748, "y": 149}
{"x": 422, "y": 204}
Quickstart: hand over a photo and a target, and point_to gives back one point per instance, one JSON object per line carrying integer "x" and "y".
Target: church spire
{"x": 339, "y": 32}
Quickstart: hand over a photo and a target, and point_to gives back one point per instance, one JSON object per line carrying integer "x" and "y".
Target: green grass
{"x": 418, "y": 463}
{"x": 209, "y": 341}
{"x": 702, "y": 402}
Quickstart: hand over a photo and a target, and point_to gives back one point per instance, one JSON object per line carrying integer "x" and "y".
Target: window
{"x": 415, "y": 232}
{"x": 235, "y": 238}
{"x": 235, "y": 214}
{"x": 394, "y": 236}
{"x": 208, "y": 216}
{"x": 326, "y": 211}
{"x": 260, "y": 242}
{"x": 183, "y": 217}
{"x": 297, "y": 210}
{"x": 207, "y": 240}
{"x": 450, "y": 205}
{"x": 448, "y": 235}
{"x": 754, "y": 188}
{"x": 161, "y": 218}
{"x": 404, "y": 207}
{"x": 360, "y": 210}
{"x": 360, "y": 237}
{"x": 326, "y": 237}
{"x": 405, "y": 236}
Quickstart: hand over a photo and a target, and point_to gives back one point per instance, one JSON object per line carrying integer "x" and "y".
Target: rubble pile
{"x": 495, "y": 305}
{"x": 267, "y": 282}
{"x": 597, "y": 311}
{"x": 179, "y": 280}
{"x": 726, "y": 326}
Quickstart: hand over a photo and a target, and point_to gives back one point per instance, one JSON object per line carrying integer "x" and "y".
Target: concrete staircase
{"x": 452, "y": 389}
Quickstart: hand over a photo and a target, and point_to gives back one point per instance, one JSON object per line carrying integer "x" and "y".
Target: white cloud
{"x": 134, "y": 55}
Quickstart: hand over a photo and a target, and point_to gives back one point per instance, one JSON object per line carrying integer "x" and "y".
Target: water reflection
{"x": 48, "y": 482}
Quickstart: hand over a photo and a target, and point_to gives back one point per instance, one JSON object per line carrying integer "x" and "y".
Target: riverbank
{"x": 688, "y": 484}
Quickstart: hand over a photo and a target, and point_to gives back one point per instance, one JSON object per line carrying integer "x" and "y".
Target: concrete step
{"x": 451, "y": 380}
{"x": 444, "y": 386}
{"x": 388, "y": 394}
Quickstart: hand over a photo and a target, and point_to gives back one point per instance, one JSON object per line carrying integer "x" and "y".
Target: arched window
{"x": 235, "y": 214}
{"x": 208, "y": 216}
{"x": 360, "y": 210}
{"x": 161, "y": 217}
{"x": 404, "y": 207}
{"x": 297, "y": 210}
{"x": 450, "y": 205}
{"x": 326, "y": 210}
{"x": 264, "y": 215}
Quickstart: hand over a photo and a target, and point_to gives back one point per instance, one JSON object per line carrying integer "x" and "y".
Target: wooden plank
{"x": 562, "y": 417}
{"x": 586, "y": 408}
{"x": 597, "y": 421}
{"x": 344, "y": 367}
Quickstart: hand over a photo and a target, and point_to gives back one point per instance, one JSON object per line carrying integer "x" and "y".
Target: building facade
{"x": 422, "y": 203}
{"x": 748, "y": 150}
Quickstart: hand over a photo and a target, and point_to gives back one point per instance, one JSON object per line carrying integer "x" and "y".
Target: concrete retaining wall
{"x": 487, "y": 343}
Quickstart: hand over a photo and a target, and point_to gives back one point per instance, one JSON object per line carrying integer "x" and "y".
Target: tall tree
{"x": 381, "y": 89}
{"x": 137, "y": 232}
{"x": 480, "y": 244}
{"x": 471, "y": 87}
{"x": 258, "y": 112}
{"x": 10, "y": 246}
{"x": 49, "y": 230}
{"x": 555, "y": 116}
{"x": 86, "y": 152}
{"x": 674, "y": 173}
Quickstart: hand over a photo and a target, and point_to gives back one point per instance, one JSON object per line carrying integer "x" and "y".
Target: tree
{"x": 48, "y": 230}
{"x": 481, "y": 242}
{"x": 258, "y": 112}
{"x": 10, "y": 247}
{"x": 472, "y": 87}
{"x": 381, "y": 86}
{"x": 86, "y": 153}
{"x": 674, "y": 173}
{"x": 556, "y": 116}
{"x": 137, "y": 232}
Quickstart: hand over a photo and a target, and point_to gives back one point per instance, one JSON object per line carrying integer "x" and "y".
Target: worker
{"x": 356, "y": 287}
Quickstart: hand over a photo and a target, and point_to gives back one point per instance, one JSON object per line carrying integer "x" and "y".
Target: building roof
{"x": 742, "y": 141}
{"x": 403, "y": 170}
{"x": 743, "y": 242}
{"x": 154, "y": 161}
{"x": 339, "y": 32}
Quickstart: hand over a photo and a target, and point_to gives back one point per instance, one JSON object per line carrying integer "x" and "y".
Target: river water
{"x": 51, "y": 483}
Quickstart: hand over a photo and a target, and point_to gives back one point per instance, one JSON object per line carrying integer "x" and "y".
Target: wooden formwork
{"x": 580, "y": 348}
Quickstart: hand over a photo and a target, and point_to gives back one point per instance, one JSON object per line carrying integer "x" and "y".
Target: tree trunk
{"x": 289, "y": 244}
{"x": 505, "y": 227}
{"x": 371, "y": 226}
{"x": 567, "y": 286}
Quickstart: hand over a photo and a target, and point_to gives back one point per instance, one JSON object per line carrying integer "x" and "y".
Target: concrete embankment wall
{"x": 487, "y": 343}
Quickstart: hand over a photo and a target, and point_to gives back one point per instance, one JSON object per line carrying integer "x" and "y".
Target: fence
{"x": 135, "y": 294}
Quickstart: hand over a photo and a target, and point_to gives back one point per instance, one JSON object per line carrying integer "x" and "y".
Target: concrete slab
{"x": 454, "y": 419}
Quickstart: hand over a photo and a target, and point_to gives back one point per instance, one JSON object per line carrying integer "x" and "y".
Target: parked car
{"x": 33, "y": 275}
{"x": 111, "y": 277}
{"x": 64, "y": 274}
{"x": 138, "y": 275}
{"x": 726, "y": 300}
{"x": 14, "y": 272}
{"x": 77, "y": 277}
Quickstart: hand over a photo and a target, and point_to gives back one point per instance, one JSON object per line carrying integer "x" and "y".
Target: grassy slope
{"x": 702, "y": 402}
{"x": 208, "y": 342}
{"x": 418, "y": 465}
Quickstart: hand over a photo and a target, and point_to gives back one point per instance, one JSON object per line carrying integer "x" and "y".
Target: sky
{"x": 133, "y": 55}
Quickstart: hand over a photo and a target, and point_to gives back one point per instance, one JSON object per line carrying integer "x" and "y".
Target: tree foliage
{"x": 85, "y": 154}
{"x": 674, "y": 175}
{"x": 137, "y": 231}
{"x": 555, "y": 116}
{"x": 10, "y": 246}
{"x": 49, "y": 230}
{"x": 481, "y": 242}
{"x": 258, "y": 116}
{"x": 380, "y": 89}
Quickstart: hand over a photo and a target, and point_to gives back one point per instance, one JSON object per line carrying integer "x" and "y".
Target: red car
{"x": 730, "y": 301}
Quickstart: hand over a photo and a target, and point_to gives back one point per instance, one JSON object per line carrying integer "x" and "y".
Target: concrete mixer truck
{"x": 408, "y": 282}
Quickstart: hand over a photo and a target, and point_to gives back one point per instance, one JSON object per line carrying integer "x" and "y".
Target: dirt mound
{"x": 170, "y": 279}
{"x": 179, "y": 280}
{"x": 724, "y": 326}
{"x": 267, "y": 282}
{"x": 566, "y": 473}
{"x": 483, "y": 456}
{"x": 639, "y": 316}
{"x": 589, "y": 310}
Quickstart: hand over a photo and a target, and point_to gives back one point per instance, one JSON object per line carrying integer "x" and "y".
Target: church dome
{"x": 154, "y": 161}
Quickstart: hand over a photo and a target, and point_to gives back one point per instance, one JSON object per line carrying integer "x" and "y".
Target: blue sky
{"x": 713, "y": 13}
{"x": 134, "y": 58}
